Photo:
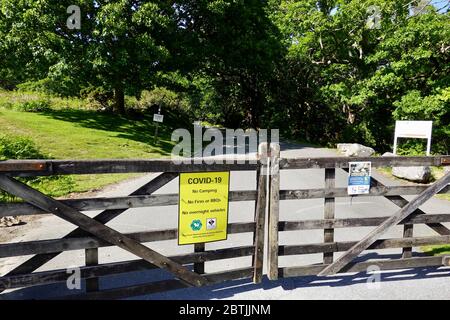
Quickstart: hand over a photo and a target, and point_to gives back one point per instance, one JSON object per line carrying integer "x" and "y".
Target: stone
{"x": 416, "y": 174}
{"x": 355, "y": 150}
{"x": 9, "y": 221}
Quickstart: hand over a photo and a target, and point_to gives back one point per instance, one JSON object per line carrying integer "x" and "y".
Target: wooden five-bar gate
{"x": 188, "y": 269}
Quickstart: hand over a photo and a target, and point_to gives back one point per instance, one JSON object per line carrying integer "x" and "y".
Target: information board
{"x": 359, "y": 177}
{"x": 203, "y": 207}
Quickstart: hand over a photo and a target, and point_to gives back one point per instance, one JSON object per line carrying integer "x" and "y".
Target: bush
{"x": 18, "y": 148}
{"x": 61, "y": 86}
{"x": 97, "y": 97}
{"x": 40, "y": 105}
{"x": 161, "y": 98}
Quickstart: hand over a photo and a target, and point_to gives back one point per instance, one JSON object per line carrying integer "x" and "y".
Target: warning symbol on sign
{"x": 211, "y": 223}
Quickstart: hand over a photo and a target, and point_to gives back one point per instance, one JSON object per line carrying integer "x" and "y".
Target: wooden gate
{"x": 189, "y": 269}
{"x": 408, "y": 215}
{"x": 93, "y": 233}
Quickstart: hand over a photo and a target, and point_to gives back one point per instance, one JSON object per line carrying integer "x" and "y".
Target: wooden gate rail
{"x": 35, "y": 168}
{"x": 107, "y": 269}
{"x": 330, "y": 222}
{"x": 89, "y": 242}
{"x": 92, "y": 234}
{"x": 377, "y": 162}
{"x": 114, "y": 203}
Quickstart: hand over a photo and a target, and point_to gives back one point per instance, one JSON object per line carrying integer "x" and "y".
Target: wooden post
{"x": 199, "y": 267}
{"x": 407, "y": 210}
{"x": 91, "y": 257}
{"x": 446, "y": 261}
{"x": 407, "y": 233}
{"x": 260, "y": 213}
{"x": 274, "y": 210}
{"x": 329, "y": 209}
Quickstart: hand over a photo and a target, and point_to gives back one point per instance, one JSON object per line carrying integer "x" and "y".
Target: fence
{"x": 92, "y": 233}
{"x": 188, "y": 269}
{"x": 407, "y": 215}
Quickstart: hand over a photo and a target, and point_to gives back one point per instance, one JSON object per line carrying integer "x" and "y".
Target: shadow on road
{"x": 232, "y": 289}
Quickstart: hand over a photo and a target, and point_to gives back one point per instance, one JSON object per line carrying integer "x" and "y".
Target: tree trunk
{"x": 119, "y": 100}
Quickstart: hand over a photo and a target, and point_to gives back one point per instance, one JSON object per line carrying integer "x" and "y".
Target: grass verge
{"x": 86, "y": 134}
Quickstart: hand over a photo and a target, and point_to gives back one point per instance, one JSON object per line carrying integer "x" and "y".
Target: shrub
{"x": 16, "y": 147}
{"x": 40, "y": 105}
{"x": 97, "y": 97}
{"x": 163, "y": 98}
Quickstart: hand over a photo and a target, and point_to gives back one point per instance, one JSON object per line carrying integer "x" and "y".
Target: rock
{"x": 9, "y": 221}
{"x": 355, "y": 150}
{"x": 446, "y": 170}
{"x": 388, "y": 154}
{"x": 416, "y": 174}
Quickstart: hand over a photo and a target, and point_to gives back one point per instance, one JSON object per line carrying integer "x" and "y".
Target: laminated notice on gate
{"x": 203, "y": 207}
{"x": 359, "y": 177}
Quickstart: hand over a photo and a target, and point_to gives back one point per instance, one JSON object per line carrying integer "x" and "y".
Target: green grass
{"x": 437, "y": 250}
{"x": 87, "y": 134}
{"x": 436, "y": 173}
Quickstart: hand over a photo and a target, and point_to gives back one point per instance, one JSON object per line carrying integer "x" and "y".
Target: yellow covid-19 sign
{"x": 203, "y": 207}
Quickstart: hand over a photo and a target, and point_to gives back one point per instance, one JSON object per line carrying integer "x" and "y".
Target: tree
{"x": 235, "y": 46}
{"x": 119, "y": 47}
{"x": 344, "y": 77}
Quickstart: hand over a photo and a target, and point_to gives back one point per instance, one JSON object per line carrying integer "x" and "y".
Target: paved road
{"x": 400, "y": 284}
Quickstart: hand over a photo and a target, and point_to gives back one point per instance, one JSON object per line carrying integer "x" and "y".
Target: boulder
{"x": 417, "y": 174}
{"x": 355, "y": 150}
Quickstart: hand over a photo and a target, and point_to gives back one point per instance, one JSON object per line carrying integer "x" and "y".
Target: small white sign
{"x": 413, "y": 129}
{"x": 158, "y": 117}
{"x": 211, "y": 224}
{"x": 359, "y": 177}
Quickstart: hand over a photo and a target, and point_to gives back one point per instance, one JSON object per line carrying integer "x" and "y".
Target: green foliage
{"x": 316, "y": 69}
{"x": 28, "y": 101}
{"x": 234, "y": 47}
{"x": 342, "y": 81}
{"x": 17, "y": 147}
{"x": 62, "y": 86}
{"x": 161, "y": 98}
{"x": 120, "y": 46}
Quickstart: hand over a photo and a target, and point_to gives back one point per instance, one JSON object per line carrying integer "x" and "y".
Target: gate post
{"x": 329, "y": 208}
{"x": 274, "y": 210}
{"x": 260, "y": 212}
{"x": 91, "y": 259}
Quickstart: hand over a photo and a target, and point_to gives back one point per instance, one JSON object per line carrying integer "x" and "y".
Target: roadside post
{"x": 158, "y": 118}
